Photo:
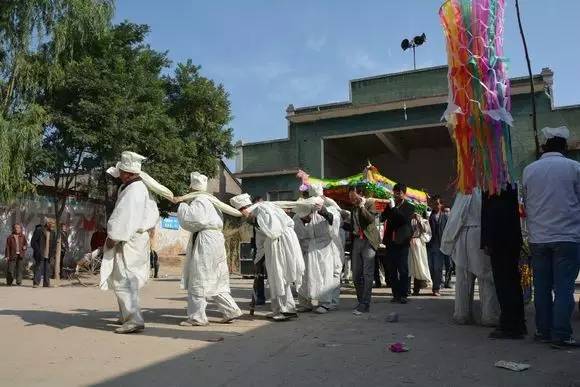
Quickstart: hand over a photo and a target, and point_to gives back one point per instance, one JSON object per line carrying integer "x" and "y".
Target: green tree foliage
{"x": 114, "y": 98}
{"x": 25, "y": 27}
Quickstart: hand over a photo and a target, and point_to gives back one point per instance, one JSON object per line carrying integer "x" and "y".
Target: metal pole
{"x": 533, "y": 91}
{"x": 414, "y": 60}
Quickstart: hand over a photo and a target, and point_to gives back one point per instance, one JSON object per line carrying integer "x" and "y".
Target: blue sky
{"x": 271, "y": 53}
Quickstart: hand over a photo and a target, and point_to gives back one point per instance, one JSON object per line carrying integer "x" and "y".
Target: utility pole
{"x": 533, "y": 91}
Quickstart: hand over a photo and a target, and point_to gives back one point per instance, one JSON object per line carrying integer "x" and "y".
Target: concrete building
{"x": 393, "y": 120}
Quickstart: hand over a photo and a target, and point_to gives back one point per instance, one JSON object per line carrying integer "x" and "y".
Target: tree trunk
{"x": 533, "y": 91}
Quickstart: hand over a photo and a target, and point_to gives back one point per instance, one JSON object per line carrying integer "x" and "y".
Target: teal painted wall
{"x": 260, "y": 186}
{"x": 303, "y": 149}
{"x": 398, "y": 87}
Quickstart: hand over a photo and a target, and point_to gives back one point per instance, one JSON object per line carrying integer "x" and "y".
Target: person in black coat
{"x": 501, "y": 238}
{"x": 437, "y": 222}
{"x": 397, "y": 239}
{"x": 36, "y": 250}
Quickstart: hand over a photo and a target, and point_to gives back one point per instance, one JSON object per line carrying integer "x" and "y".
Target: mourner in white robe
{"x": 313, "y": 227}
{"x": 125, "y": 267}
{"x": 418, "y": 260}
{"x": 283, "y": 257}
{"x": 337, "y": 241}
{"x": 461, "y": 240}
{"x": 205, "y": 272}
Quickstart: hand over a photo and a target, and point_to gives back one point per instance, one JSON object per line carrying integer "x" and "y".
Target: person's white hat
{"x": 241, "y": 201}
{"x": 130, "y": 162}
{"x": 316, "y": 190}
{"x": 562, "y": 132}
{"x": 303, "y": 209}
{"x": 198, "y": 181}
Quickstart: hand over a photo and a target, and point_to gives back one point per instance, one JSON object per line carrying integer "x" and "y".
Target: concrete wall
{"x": 304, "y": 147}
{"x": 32, "y": 211}
{"x": 224, "y": 185}
{"x": 397, "y": 87}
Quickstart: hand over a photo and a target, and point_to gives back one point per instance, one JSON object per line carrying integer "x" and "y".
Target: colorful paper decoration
{"x": 370, "y": 180}
{"x": 478, "y": 112}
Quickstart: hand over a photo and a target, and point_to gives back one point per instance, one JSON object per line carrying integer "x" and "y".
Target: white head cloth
{"x": 562, "y": 132}
{"x": 240, "y": 201}
{"x": 198, "y": 181}
{"x": 316, "y": 190}
{"x": 303, "y": 209}
{"x": 130, "y": 162}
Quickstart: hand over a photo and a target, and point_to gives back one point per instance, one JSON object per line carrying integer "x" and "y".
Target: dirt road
{"x": 63, "y": 337}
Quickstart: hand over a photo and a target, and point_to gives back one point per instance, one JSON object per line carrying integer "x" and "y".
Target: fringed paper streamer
{"x": 478, "y": 114}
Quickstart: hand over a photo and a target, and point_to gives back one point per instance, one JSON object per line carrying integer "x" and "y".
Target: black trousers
{"x": 506, "y": 275}
{"x": 398, "y": 268}
{"x": 378, "y": 273}
{"x": 260, "y": 270}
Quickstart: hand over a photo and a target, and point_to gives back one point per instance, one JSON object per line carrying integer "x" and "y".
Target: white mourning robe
{"x": 125, "y": 268}
{"x": 418, "y": 260}
{"x": 318, "y": 250}
{"x": 277, "y": 240}
{"x": 461, "y": 240}
{"x": 205, "y": 270}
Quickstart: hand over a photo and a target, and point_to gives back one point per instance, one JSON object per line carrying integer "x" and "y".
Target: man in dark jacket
{"x": 397, "y": 239}
{"x": 366, "y": 241}
{"x": 48, "y": 249}
{"x": 437, "y": 222}
{"x": 36, "y": 251}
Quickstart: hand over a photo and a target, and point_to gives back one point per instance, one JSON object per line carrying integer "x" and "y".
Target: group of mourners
{"x": 482, "y": 235}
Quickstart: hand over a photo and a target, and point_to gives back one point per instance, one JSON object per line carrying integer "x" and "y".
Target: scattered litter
{"x": 398, "y": 347}
{"x": 409, "y": 336}
{"x": 216, "y": 340}
{"x": 512, "y": 365}
{"x": 330, "y": 345}
{"x": 392, "y": 317}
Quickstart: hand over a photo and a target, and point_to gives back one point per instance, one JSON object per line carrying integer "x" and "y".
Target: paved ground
{"x": 63, "y": 337}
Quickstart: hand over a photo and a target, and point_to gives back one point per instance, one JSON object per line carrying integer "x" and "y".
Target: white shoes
{"x": 129, "y": 328}
{"x": 321, "y": 310}
{"x": 193, "y": 323}
{"x": 229, "y": 320}
{"x": 279, "y": 317}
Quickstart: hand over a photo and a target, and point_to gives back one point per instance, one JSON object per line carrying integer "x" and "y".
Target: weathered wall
{"x": 82, "y": 217}
{"x": 397, "y": 87}
{"x": 304, "y": 147}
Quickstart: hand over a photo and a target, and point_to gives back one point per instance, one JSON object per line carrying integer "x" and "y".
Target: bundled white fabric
{"x": 318, "y": 251}
{"x": 461, "y": 240}
{"x": 418, "y": 260}
{"x": 135, "y": 213}
{"x": 223, "y": 207}
{"x": 205, "y": 270}
{"x": 281, "y": 248}
{"x": 462, "y": 235}
{"x": 156, "y": 187}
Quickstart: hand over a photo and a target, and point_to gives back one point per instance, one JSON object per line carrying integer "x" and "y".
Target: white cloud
{"x": 266, "y": 71}
{"x": 361, "y": 61}
{"x": 316, "y": 43}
